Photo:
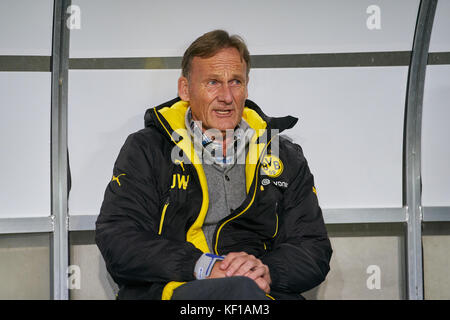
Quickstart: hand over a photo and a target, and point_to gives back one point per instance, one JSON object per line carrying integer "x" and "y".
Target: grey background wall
{"x": 123, "y": 60}
{"x": 26, "y": 30}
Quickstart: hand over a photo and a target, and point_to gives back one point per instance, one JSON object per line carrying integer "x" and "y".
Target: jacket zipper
{"x": 276, "y": 215}
{"x": 242, "y": 212}
{"x": 248, "y": 206}
{"x": 163, "y": 214}
{"x": 276, "y": 228}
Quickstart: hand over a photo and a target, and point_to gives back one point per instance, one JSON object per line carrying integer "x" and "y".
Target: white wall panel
{"x": 25, "y": 266}
{"x": 348, "y": 276}
{"x": 350, "y": 127}
{"x": 436, "y": 261}
{"x": 440, "y": 35}
{"x": 104, "y": 108}
{"x": 25, "y": 144}
{"x": 26, "y": 27}
{"x": 353, "y": 141}
{"x": 165, "y": 28}
{"x": 435, "y": 136}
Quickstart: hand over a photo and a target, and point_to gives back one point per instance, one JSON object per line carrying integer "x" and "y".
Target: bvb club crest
{"x": 271, "y": 166}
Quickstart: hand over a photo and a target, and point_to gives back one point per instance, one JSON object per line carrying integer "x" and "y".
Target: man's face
{"x": 216, "y": 89}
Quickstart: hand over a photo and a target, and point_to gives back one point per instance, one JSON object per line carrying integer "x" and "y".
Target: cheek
{"x": 206, "y": 96}
{"x": 240, "y": 94}
{"x": 200, "y": 99}
{"x": 239, "y": 113}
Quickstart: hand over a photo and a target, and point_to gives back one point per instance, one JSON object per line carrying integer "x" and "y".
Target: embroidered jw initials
{"x": 180, "y": 180}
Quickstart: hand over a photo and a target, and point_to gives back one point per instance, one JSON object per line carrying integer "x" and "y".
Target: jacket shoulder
{"x": 291, "y": 151}
{"x": 146, "y": 146}
{"x": 148, "y": 137}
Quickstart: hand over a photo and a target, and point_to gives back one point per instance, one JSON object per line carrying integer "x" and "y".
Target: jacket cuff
{"x": 205, "y": 264}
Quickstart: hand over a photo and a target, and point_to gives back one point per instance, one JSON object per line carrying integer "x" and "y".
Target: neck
{"x": 225, "y": 139}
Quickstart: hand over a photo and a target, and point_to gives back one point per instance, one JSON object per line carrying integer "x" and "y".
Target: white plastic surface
{"x": 25, "y": 144}
{"x": 104, "y": 108}
{"x": 350, "y": 128}
{"x": 435, "y": 137}
{"x": 142, "y": 28}
{"x": 26, "y": 27}
{"x": 440, "y": 35}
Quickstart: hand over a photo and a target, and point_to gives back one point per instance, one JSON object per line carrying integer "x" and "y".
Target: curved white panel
{"x": 440, "y": 35}
{"x": 165, "y": 28}
{"x": 435, "y": 137}
{"x": 350, "y": 128}
{"x": 25, "y": 144}
{"x": 26, "y": 27}
{"x": 104, "y": 108}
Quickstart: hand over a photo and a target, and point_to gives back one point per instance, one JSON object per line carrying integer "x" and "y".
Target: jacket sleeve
{"x": 126, "y": 229}
{"x": 300, "y": 255}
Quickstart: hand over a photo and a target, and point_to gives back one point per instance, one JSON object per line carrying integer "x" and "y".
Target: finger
{"x": 256, "y": 273}
{"x": 262, "y": 284}
{"x": 246, "y": 267}
{"x": 263, "y": 271}
{"x": 229, "y": 258}
{"x": 267, "y": 277}
{"x": 241, "y": 265}
{"x": 216, "y": 272}
{"x": 235, "y": 265}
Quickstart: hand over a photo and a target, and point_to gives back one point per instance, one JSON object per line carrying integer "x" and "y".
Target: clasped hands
{"x": 243, "y": 264}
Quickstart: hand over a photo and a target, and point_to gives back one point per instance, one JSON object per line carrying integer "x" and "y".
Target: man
{"x": 208, "y": 201}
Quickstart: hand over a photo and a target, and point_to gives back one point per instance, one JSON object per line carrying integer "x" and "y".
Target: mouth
{"x": 223, "y": 113}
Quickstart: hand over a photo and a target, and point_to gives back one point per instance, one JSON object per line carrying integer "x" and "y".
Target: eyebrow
{"x": 218, "y": 76}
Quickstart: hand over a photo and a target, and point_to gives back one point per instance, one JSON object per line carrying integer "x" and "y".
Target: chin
{"x": 224, "y": 126}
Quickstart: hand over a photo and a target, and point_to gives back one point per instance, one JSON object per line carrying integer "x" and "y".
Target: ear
{"x": 183, "y": 88}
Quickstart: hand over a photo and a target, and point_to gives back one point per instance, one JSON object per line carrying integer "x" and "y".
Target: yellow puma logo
{"x": 180, "y": 163}
{"x": 114, "y": 178}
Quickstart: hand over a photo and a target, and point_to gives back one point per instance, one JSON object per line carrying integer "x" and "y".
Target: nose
{"x": 225, "y": 94}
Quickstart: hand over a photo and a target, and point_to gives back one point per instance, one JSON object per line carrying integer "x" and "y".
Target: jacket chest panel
{"x": 180, "y": 202}
{"x": 253, "y": 226}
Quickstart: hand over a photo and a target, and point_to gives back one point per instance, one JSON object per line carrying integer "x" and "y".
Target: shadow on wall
{"x": 334, "y": 282}
{"x": 107, "y": 282}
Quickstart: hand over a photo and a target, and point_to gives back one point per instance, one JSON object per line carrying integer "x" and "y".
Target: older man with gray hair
{"x": 212, "y": 203}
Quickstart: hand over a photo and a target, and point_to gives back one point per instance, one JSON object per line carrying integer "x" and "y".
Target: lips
{"x": 223, "y": 113}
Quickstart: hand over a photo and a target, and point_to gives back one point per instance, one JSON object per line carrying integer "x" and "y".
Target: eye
{"x": 235, "y": 82}
{"x": 212, "y": 82}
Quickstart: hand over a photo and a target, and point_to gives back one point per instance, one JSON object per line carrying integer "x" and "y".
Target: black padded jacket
{"x": 149, "y": 230}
